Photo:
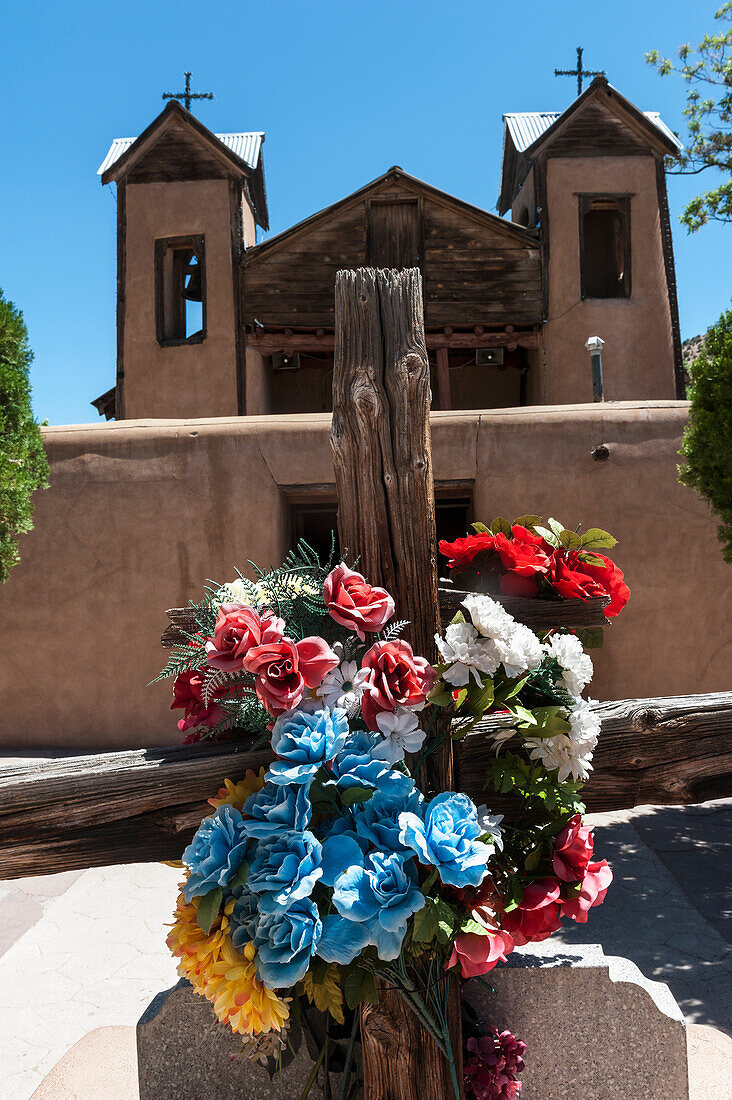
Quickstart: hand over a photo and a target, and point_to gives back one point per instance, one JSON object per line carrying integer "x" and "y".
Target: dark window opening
{"x": 299, "y": 382}
{"x": 316, "y": 521}
{"x": 180, "y": 290}
{"x": 394, "y": 233}
{"x": 605, "y": 246}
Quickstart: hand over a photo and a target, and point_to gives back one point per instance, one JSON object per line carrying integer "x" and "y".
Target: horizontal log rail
{"x": 538, "y": 614}
{"x": 143, "y": 805}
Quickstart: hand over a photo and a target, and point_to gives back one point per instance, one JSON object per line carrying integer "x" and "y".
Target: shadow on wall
{"x": 668, "y": 907}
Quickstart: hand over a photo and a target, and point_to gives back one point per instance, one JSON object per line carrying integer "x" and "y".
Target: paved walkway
{"x": 85, "y": 950}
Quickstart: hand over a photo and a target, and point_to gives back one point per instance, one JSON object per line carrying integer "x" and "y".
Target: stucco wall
{"x": 140, "y": 514}
{"x": 638, "y": 360}
{"x": 179, "y": 381}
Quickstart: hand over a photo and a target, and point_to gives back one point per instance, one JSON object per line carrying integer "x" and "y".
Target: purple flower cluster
{"x": 491, "y": 1068}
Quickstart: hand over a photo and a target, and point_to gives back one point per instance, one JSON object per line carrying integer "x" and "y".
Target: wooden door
{"x": 394, "y": 233}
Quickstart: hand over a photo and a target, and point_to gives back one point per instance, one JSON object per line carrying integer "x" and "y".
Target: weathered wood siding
{"x": 594, "y": 129}
{"x": 474, "y": 272}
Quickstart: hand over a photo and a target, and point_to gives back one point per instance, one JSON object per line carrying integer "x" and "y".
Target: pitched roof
{"x": 526, "y": 133}
{"x": 247, "y": 147}
{"x": 396, "y": 174}
{"x": 526, "y": 127}
{"x": 240, "y": 153}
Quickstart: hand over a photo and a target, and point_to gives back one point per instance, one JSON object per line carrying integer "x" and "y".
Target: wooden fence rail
{"x": 143, "y": 805}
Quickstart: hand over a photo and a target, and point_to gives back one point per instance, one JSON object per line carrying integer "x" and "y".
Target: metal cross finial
{"x": 579, "y": 72}
{"x": 188, "y": 95}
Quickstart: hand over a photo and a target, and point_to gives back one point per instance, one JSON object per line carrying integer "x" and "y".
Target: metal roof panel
{"x": 525, "y": 127}
{"x": 246, "y": 146}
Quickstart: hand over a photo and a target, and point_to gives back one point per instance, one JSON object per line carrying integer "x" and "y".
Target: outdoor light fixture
{"x": 489, "y": 357}
{"x": 595, "y": 345}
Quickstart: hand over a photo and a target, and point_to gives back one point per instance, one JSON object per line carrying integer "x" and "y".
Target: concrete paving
{"x": 86, "y": 951}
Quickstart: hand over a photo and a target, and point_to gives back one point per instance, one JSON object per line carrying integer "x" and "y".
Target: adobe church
{"x": 217, "y": 450}
{"x": 211, "y": 323}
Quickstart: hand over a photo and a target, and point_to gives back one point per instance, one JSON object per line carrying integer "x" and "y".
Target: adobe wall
{"x": 139, "y": 514}
{"x": 638, "y": 358}
{"x": 179, "y": 380}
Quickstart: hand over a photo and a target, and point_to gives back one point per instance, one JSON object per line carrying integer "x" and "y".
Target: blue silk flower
{"x": 303, "y": 740}
{"x": 445, "y": 835}
{"x": 285, "y": 870}
{"x": 216, "y": 852}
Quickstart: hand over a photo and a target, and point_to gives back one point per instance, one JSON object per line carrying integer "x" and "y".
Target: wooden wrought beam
{"x": 270, "y": 342}
{"x": 143, "y": 805}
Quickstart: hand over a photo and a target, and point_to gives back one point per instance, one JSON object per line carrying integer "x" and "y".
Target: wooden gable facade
{"x": 482, "y": 289}
{"x": 477, "y": 269}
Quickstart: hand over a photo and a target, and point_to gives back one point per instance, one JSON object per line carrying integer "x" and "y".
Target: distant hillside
{"x": 690, "y": 348}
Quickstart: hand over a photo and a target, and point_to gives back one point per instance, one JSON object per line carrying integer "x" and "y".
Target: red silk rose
{"x": 354, "y": 603}
{"x": 479, "y": 954}
{"x": 538, "y": 914}
{"x": 462, "y": 552}
{"x": 576, "y": 579}
{"x": 595, "y": 882}
{"x": 513, "y": 585}
{"x": 187, "y": 690}
{"x": 610, "y": 576}
{"x": 239, "y": 628}
{"x": 572, "y": 850}
{"x": 396, "y": 678}
{"x": 202, "y": 716}
{"x": 524, "y": 553}
{"x": 283, "y": 669}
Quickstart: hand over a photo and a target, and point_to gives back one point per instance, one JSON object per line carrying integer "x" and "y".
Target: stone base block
{"x": 594, "y": 1027}
{"x": 182, "y": 1051}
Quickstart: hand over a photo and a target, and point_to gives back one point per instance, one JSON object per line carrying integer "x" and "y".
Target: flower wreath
{"x": 331, "y": 869}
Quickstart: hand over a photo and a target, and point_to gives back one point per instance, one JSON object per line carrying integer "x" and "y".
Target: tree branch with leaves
{"x": 707, "y": 70}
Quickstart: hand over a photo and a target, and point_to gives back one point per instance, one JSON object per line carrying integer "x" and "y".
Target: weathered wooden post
{"x": 386, "y": 516}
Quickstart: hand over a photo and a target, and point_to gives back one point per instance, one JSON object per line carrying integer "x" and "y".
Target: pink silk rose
{"x": 187, "y": 691}
{"x": 396, "y": 678}
{"x": 595, "y": 883}
{"x": 285, "y": 668}
{"x": 239, "y": 628}
{"x": 478, "y": 954}
{"x": 354, "y": 603}
{"x": 537, "y": 917}
{"x": 572, "y": 850}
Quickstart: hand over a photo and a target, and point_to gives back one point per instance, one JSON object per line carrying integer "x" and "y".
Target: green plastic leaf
{"x": 462, "y": 696}
{"x": 480, "y": 528}
{"x": 592, "y": 559}
{"x": 208, "y": 909}
{"x": 592, "y": 637}
{"x": 532, "y": 860}
{"x": 360, "y": 985}
{"x": 555, "y": 526}
{"x": 597, "y": 539}
{"x": 480, "y": 699}
{"x": 570, "y": 540}
{"x": 240, "y": 877}
{"x": 527, "y": 521}
{"x": 458, "y": 617}
{"x": 548, "y": 535}
{"x": 424, "y": 927}
{"x": 438, "y": 697}
{"x": 351, "y": 795}
{"x": 500, "y": 524}
{"x": 474, "y": 927}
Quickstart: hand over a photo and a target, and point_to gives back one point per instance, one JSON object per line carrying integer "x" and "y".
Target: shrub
{"x": 23, "y": 463}
{"x": 707, "y": 445}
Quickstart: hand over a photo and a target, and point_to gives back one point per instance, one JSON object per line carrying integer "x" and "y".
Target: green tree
{"x": 707, "y": 70}
{"x": 23, "y": 463}
{"x": 706, "y": 446}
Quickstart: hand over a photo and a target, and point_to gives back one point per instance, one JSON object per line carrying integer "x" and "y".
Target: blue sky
{"x": 343, "y": 91}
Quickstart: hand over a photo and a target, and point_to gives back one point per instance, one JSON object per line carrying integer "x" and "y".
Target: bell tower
{"x": 188, "y": 203}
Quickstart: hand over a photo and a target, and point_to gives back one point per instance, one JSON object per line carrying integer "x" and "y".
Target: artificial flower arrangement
{"x": 331, "y": 869}
{"x": 525, "y": 558}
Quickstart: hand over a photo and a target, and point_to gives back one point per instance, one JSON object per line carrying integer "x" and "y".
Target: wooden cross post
{"x": 386, "y": 517}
